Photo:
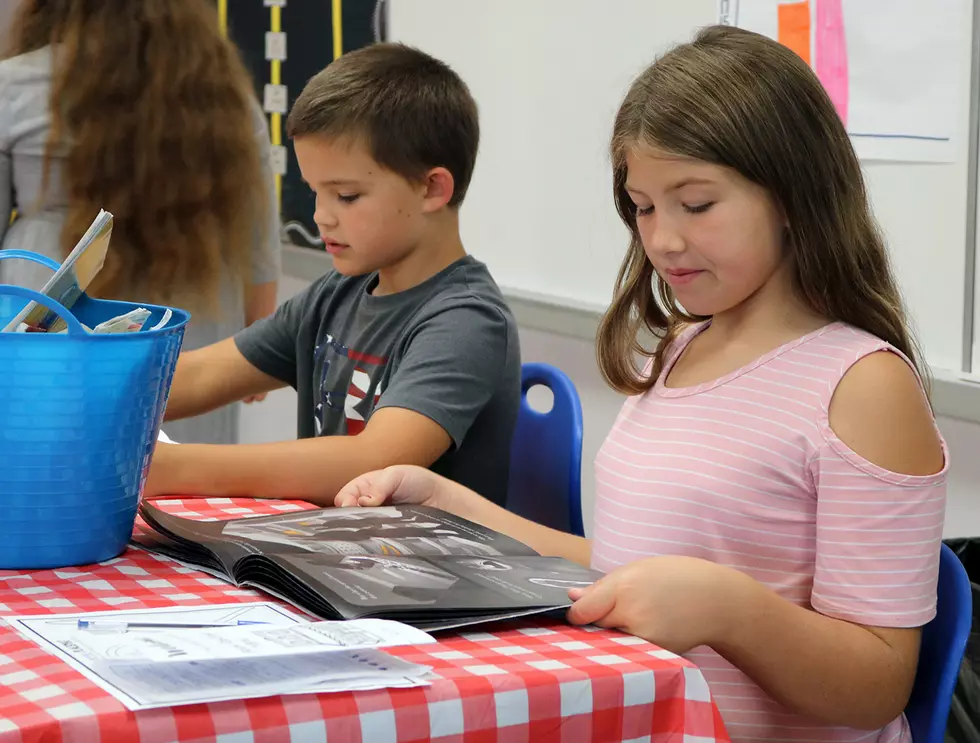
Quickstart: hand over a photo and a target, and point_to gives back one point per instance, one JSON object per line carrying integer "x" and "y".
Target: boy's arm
{"x": 210, "y": 377}
{"x": 446, "y": 376}
{"x": 313, "y": 470}
{"x": 221, "y": 373}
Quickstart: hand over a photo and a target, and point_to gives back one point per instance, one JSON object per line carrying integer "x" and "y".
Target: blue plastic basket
{"x": 79, "y": 417}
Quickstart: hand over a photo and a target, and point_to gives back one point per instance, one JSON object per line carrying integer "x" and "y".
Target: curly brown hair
{"x": 742, "y": 101}
{"x": 152, "y": 109}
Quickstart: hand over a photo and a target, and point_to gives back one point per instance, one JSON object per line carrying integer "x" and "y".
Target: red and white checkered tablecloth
{"x": 520, "y": 681}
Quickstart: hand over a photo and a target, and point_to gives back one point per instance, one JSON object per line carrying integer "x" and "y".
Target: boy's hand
{"x": 678, "y": 603}
{"x": 255, "y": 398}
{"x": 394, "y": 485}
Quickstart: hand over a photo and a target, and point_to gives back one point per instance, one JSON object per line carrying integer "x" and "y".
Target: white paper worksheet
{"x": 164, "y": 657}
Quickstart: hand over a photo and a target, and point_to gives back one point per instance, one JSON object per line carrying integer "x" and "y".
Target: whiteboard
{"x": 548, "y": 76}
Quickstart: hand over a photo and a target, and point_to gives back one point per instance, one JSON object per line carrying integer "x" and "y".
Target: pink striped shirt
{"x": 745, "y": 471}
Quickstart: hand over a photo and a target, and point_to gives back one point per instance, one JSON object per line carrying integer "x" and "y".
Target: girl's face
{"x": 713, "y": 236}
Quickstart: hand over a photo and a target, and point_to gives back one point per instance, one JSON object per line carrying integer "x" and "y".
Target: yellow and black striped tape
{"x": 275, "y": 65}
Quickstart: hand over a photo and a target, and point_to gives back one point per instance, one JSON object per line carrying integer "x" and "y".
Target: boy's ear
{"x": 438, "y": 187}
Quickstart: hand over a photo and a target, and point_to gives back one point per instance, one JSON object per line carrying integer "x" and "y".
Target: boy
{"x": 406, "y": 352}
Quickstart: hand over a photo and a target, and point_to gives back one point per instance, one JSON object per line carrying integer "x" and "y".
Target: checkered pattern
{"x": 522, "y": 681}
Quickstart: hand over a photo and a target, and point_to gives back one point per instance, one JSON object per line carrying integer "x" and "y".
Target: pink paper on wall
{"x": 831, "y": 53}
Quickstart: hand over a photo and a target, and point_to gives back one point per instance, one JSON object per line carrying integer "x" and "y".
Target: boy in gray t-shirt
{"x": 406, "y": 353}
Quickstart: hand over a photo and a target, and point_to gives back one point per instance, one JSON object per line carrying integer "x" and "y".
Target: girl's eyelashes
{"x": 698, "y": 208}
{"x": 646, "y": 211}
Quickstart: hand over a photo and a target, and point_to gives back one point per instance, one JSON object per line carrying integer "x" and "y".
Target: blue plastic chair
{"x": 943, "y": 644}
{"x": 546, "y": 454}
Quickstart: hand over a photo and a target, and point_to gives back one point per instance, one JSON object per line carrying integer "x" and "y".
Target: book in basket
{"x": 70, "y": 280}
{"x": 414, "y": 564}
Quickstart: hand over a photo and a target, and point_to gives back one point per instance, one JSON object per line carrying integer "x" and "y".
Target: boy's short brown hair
{"x": 412, "y": 111}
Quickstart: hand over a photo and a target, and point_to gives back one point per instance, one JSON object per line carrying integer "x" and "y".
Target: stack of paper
{"x": 155, "y": 658}
{"x": 70, "y": 280}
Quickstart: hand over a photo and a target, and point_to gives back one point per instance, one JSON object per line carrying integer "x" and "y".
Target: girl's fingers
{"x": 595, "y": 603}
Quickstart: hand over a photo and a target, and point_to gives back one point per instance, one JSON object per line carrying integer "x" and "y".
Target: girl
{"x": 141, "y": 107}
{"x": 770, "y": 501}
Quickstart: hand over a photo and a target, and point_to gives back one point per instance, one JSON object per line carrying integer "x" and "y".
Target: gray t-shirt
{"x": 447, "y": 349}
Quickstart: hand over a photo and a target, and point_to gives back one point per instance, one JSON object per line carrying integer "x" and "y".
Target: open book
{"x": 415, "y": 564}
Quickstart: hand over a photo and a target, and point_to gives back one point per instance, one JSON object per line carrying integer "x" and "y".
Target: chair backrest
{"x": 943, "y": 643}
{"x": 546, "y": 454}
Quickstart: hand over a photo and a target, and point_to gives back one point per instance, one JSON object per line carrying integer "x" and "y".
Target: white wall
{"x": 548, "y": 76}
{"x": 275, "y": 420}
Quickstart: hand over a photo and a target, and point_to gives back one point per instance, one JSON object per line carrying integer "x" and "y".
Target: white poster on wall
{"x": 893, "y": 68}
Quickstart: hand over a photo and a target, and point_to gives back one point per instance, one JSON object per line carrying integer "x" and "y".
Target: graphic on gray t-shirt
{"x": 349, "y": 382}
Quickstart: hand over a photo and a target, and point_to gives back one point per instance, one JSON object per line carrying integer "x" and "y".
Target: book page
{"x": 398, "y": 586}
{"x": 186, "y": 540}
{"x": 389, "y": 530}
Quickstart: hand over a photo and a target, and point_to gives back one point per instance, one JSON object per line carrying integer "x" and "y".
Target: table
{"x": 531, "y": 680}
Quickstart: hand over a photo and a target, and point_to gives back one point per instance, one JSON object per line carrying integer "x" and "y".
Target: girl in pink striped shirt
{"x": 770, "y": 500}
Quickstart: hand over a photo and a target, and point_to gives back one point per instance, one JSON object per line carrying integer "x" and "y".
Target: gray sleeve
{"x": 451, "y": 367}
{"x": 267, "y": 244}
{"x": 269, "y": 344}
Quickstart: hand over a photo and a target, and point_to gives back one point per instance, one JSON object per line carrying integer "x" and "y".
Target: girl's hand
{"x": 678, "y": 603}
{"x": 255, "y": 398}
{"x": 397, "y": 485}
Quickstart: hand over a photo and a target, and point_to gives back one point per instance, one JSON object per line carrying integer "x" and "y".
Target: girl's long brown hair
{"x": 740, "y": 100}
{"x": 151, "y": 107}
